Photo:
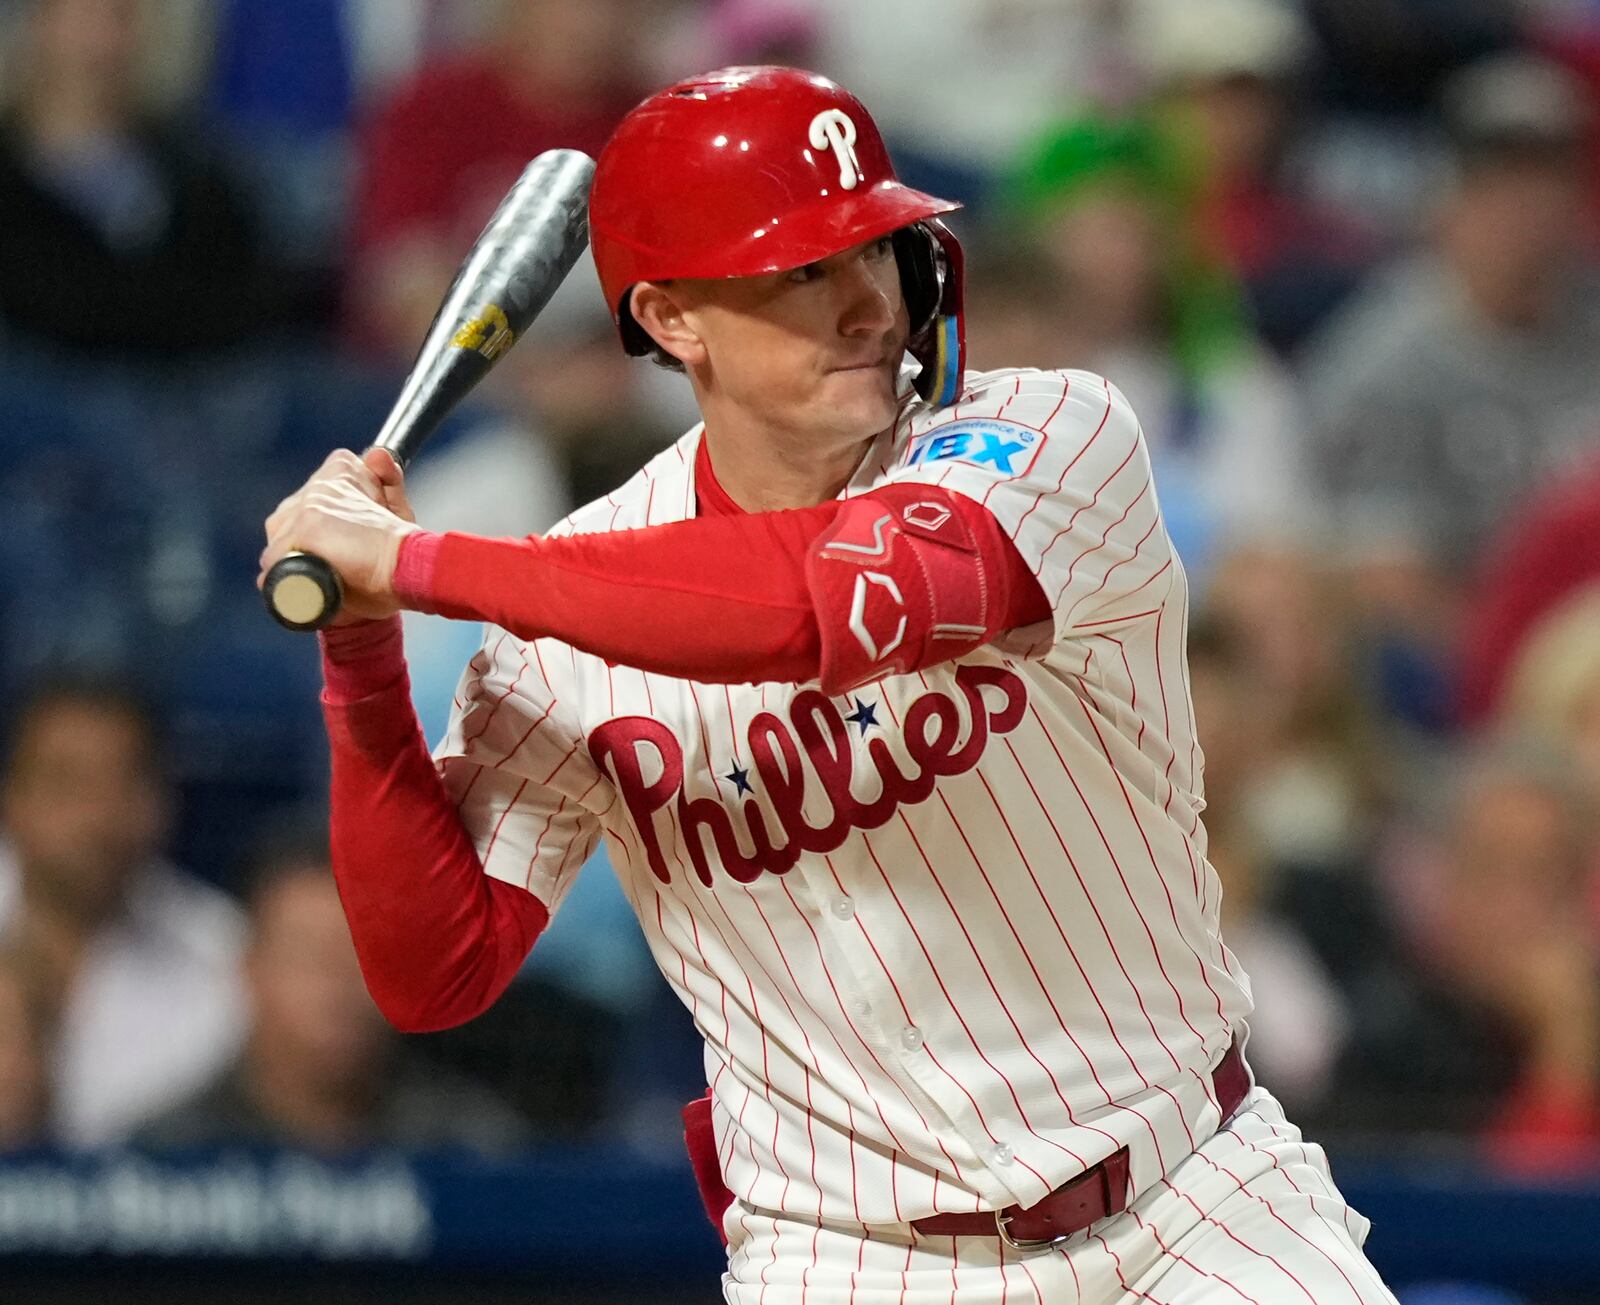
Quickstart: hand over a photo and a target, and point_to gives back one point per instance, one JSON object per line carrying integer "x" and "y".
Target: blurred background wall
{"x": 1339, "y": 254}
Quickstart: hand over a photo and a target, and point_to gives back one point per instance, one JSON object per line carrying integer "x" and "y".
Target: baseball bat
{"x": 528, "y": 247}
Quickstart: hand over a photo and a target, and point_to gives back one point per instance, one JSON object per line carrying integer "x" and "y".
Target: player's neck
{"x": 766, "y": 471}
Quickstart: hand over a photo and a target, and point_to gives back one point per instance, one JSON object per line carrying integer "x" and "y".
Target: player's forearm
{"x": 438, "y": 939}
{"x": 766, "y": 597}
{"x": 720, "y": 605}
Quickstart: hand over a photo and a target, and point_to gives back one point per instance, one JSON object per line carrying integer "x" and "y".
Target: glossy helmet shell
{"x": 748, "y": 171}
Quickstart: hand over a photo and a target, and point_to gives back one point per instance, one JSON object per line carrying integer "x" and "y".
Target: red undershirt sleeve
{"x": 438, "y": 939}
{"x": 721, "y": 599}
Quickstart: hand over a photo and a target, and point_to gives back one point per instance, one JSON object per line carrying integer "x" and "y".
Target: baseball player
{"x": 874, "y": 685}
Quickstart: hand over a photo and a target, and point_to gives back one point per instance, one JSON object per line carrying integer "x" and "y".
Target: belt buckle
{"x": 1001, "y": 1219}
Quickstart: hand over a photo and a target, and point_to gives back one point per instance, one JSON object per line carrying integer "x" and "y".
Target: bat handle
{"x": 302, "y": 591}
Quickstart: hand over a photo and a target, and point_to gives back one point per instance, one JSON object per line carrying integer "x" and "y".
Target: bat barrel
{"x": 528, "y": 247}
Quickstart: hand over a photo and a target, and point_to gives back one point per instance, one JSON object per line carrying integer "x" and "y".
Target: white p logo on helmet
{"x": 832, "y": 129}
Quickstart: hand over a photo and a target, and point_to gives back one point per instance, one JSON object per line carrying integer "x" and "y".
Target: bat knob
{"x": 302, "y": 592}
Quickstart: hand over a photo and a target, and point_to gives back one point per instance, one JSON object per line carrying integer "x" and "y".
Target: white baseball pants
{"x": 1250, "y": 1218}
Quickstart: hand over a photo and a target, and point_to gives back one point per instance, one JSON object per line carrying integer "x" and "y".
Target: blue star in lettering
{"x": 739, "y": 777}
{"x": 864, "y": 715}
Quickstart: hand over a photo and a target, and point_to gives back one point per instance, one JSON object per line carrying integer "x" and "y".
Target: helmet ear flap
{"x": 931, "y": 279}
{"x": 917, "y": 257}
{"x": 636, "y": 340}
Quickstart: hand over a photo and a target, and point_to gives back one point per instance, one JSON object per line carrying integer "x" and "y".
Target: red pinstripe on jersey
{"x": 965, "y": 985}
{"x": 1186, "y": 1262}
{"x": 1279, "y": 1219}
{"x": 1122, "y": 1280}
{"x": 1240, "y": 1242}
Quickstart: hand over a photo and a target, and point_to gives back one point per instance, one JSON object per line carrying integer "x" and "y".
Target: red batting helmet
{"x": 746, "y": 171}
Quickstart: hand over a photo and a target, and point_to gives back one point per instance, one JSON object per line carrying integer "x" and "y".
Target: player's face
{"x": 815, "y": 350}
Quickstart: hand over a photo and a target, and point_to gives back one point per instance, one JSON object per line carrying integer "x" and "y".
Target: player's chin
{"x": 864, "y": 396}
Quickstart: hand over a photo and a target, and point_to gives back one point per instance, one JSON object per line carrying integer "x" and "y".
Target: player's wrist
{"x": 416, "y": 562}
{"x": 361, "y": 658}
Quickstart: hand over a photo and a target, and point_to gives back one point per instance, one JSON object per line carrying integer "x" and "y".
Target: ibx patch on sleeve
{"x": 999, "y": 446}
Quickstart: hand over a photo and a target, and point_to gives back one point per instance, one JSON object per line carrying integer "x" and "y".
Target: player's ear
{"x": 661, "y": 313}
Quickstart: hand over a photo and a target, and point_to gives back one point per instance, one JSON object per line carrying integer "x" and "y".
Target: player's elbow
{"x": 427, "y": 989}
{"x": 906, "y": 578}
{"x": 432, "y": 1007}
{"x": 422, "y": 1021}
{"x": 414, "y": 1015}
{"x": 406, "y": 1012}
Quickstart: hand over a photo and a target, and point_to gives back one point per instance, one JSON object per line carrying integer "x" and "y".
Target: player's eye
{"x": 802, "y": 275}
{"x": 881, "y": 248}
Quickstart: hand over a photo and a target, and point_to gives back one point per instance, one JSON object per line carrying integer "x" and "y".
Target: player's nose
{"x": 870, "y": 302}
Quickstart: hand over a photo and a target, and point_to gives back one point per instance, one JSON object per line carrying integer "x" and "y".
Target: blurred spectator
{"x": 1318, "y": 780}
{"x": 177, "y": 50}
{"x": 757, "y": 32}
{"x": 1392, "y": 55}
{"x": 1490, "y": 1024}
{"x": 437, "y": 157}
{"x": 27, "y": 1028}
{"x": 1374, "y": 149}
{"x": 1569, "y": 32}
{"x": 1013, "y": 307}
{"x": 121, "y": 234}
{"x": 1109, "y": 203}
{"x": 1537, "y": 562}
{"x": 288, "y": 79}
{"x": 1015, "y": 65}
{"x": 1226, "y": 72}
{"x": 1300, "y": 1022}
{"x": 1465, "y": 375}
{"x": 283, "y": 89}
{"x": 1553, "y": 686}
{"x": 145, "y": 958}
{"x": 321, "y": 1069}
{"x": 1297, "y": 788}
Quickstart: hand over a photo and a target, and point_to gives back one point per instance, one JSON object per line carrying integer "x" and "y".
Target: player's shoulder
{"x": 656, "y": 493}
{"x": 1007, "y": 417}
{"x": 1047, "y": 400}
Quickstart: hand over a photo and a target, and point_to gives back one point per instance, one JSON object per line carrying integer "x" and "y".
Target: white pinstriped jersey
{"x": 951, "y": 938}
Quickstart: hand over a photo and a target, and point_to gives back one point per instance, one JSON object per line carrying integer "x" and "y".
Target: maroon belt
{"x": 1086, "y": 1199}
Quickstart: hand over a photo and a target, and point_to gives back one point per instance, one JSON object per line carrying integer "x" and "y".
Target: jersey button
{"x": 843, "y": 907}
{"x": 911, "y": 1038}
{"x": 1002, "y": 1154}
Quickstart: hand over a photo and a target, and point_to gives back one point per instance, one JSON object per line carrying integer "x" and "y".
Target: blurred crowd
{"x": 1340, "y": 256}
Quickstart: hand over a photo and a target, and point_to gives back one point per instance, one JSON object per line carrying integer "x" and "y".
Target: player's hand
{"x": 353, "y": 513}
